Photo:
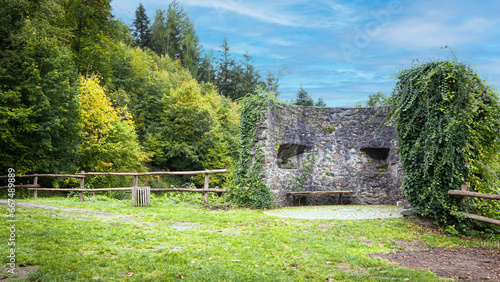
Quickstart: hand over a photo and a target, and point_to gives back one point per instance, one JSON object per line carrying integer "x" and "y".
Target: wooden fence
{"x": 82, "y": 175}
{"x": 464, "y": 193}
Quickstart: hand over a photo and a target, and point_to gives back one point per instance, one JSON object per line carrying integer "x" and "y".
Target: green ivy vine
{"x": 301, "y": 179}
{"x": 247, "y": 188}
{"x": 307, "y": 166}
{"x": 447, "y": 120}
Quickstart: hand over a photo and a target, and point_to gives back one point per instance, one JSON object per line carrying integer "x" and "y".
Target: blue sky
{"x": 342, "y": 51}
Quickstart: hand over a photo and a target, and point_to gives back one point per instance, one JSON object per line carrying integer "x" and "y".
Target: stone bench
{"x": 303, "y": 193}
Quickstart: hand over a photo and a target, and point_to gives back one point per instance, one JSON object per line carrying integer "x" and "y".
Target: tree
{"x": 235, "y": 79}
{"x": 39, "y": 113}
{"x": 142, "y": 32}
{"x": 91, "y": 26}
{"x": 248, "y": 78}
{"x": 303, "y": 99}
{"x": 195, "y": 130}
{"x": 376, "y": 100}
{"x": 174, "y": 36}
{"x": 271, "y": 84}
{"x": 224, "y": 78}
{"x": 206, "y": 71}
{"x": 109, "y": 140}
{"x": 320, "y": 103}
{"x": 160, "y": 33}
{"x": 121, "y": 33}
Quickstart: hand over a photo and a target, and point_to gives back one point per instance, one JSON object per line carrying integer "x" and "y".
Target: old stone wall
{"x": 322, "y": 149}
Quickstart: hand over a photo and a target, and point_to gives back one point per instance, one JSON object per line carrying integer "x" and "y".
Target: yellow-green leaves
{"x": 109, "y": 139}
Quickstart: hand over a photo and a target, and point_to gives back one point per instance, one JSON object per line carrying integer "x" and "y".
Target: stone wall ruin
{"x": 323, "y": 149}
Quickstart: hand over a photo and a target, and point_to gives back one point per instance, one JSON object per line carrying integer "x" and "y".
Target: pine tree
{"x": 271, "y": 84}
{"x": 224, "y": 76}
{"x": 206, "y": 72}
{"x": 235, "y": 78}
{"x": 320, "y": 103}
{"x": 173, "y": 35}
{"x": 303, "y": 99}
{"x": 160, "y": 34}
{"x": 142, "y": 32}
{"x": 249, "y": 78}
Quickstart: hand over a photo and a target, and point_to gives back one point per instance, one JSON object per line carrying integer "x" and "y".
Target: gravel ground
{"x": 342, "y": 212}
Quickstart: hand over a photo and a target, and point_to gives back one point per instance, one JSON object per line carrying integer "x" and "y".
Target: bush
{"x": 448, "y": 126}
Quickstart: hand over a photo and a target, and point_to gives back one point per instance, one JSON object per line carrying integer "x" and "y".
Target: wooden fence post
{"x": 35, "y": 192}
{"x": 464, "y": 188}
{"x": 207, "y": 177}
{"x": 82, "y": 182}
{"x": 136, "y": 180}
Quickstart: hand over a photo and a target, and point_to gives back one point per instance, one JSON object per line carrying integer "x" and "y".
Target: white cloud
{"x": 279, "y": 12}
{"x": 260, "y": 12}
{"x": 425, "y": 28}
{"x": 356, "y": 74}
{"x": 418, "y": 33}
{"x": 281, "y": 42}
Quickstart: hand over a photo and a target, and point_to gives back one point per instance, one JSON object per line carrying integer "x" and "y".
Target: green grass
{"x": 168, "y": 239}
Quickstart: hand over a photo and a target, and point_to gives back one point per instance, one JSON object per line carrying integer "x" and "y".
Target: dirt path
{"x": 84, "y": 213}
{"x": 462, "y": 264}
{"x": 53, "y": 208}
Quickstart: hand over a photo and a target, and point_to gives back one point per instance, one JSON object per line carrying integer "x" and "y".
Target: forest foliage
{"x": 81, "y": 91}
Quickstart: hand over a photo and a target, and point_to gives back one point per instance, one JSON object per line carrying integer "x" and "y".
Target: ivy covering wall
{"x": 448, "y": 124}
{"x": 247, "y": 188}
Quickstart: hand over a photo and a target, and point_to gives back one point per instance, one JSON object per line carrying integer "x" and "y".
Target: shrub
{"x": 448, "y": 126}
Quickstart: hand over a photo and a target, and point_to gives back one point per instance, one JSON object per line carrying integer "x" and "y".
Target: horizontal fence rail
{"x": 47, "y": 175}
{"x": 22, "y": 186}
{"x": 35, "y": 187}
{"x": 477, "y": 217}
{"x": 156, "y": 173}
{"x": 464, "y": 193}
{"x": 473, "y": 194}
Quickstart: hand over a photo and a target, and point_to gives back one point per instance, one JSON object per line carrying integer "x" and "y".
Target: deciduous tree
{"x": 39, "y": 113}
{"x": 109, "y": 138}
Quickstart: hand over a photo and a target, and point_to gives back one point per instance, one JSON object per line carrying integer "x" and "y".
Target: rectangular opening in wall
{"x": 291, "y": 156}
{"x": 377, "y": 153}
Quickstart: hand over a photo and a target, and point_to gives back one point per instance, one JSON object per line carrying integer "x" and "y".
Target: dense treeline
{"x": 172, "y": 34}
{"x": 79, "y": 91}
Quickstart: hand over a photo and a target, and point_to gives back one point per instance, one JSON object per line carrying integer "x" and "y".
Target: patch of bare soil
{"x": 22, "y": 272}
{"x": 410, "y": 245}
{"x": 82, "y": 214}
{"x": 463, "y": 264}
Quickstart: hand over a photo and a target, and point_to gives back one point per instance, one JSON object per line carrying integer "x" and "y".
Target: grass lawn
{"x": 175, "y": 241}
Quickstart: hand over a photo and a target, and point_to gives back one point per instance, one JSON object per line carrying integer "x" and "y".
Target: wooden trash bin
{"x": 141, "y": 196}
